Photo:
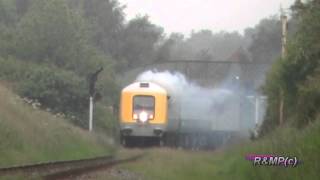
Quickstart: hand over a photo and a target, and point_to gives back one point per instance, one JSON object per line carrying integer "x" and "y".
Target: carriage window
{"x": 143, "y": 103}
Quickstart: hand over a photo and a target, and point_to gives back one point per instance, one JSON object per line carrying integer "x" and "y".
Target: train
{"x": 147, "y": 110}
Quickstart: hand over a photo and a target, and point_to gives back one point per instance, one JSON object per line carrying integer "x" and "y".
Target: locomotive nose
{"x": 146, "y": 130}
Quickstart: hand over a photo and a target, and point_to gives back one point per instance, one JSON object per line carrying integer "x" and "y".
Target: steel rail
{"x": 61, "y": 169}
{"x": 46, "y": 165}
{"x": 72, "y": 173}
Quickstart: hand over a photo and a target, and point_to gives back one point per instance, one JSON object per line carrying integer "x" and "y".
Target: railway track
{"x": 66, "y": 169}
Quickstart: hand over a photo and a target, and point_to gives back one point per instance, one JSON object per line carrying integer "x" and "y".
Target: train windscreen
{"x": 143, "y": 103}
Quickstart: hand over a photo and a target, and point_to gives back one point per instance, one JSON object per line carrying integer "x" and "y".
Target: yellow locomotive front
{"x": 143, "y": 111}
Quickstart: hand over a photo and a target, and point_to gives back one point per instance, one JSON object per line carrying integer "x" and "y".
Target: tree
{"x": 8, "y": 20}
{"x": 265, "y": 40}
{"x": 105, "y": 18}
{"x": 52, "y": 33}
{"x": 180, "y": 50}
{"x": 47, "y": 50}
{"x": 22, "y": 6}
{"x": 297, "y": 8}
{"x": 8, "y": 15}
{"x": 139, "y": 40}
{"x": 297, "y": 74}
{"x": 164, "y": 51}
{"x": 205, "y": 45}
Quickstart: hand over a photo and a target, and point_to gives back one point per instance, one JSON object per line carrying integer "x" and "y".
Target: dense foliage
{"x": 297, "y": 75}
{"x": 48, "y": 49}
{"x": 46, "y": 52}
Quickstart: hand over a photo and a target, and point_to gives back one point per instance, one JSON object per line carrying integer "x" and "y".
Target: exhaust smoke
{"x": 200, "y": 109}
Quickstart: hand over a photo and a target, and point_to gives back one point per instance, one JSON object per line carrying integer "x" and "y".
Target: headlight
{"x": 143, "y": 116}
{"x": 135, "y": 116}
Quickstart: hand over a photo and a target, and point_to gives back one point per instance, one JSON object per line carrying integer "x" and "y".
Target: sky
{"x": 186, "y": 15}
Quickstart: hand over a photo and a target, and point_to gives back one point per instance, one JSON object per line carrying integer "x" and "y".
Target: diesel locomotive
{"x": 148, "y": 111}
{"x": 143, "y": 111}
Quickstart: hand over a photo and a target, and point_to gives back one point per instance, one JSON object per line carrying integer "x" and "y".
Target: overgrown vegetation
{"x": 47, "y": 54}
{"x": 28, "y": 135}
{"x": 297, "y": 75}
{"x": 48, "y": 49}
{"x": 297, "y": 79}
{"x": 161, "y": 164}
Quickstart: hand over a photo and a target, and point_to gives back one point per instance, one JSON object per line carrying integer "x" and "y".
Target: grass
{"x": 163, "y": 164}
{"x": 29, "y": 136}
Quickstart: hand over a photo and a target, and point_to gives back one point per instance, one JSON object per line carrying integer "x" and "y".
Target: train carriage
{"x": 143, "y": 111}
{"x": 148, "y": 112}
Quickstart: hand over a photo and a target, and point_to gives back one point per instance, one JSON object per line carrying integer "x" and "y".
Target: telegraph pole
{"x": 92, "y": 82}
{"x": 284, "y": 22}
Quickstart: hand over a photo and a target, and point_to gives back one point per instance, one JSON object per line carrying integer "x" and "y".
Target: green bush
{"x": 62, "y": 91}
{"x": 47, "y": 54}
{"x": 57, "y": 89}
{"x": 105, "y": 120}
{"x": 295, "y": 78}
{"x": 308, "y": 102}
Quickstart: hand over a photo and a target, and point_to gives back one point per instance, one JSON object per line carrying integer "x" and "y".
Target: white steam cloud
{"x": 198, "y": 107}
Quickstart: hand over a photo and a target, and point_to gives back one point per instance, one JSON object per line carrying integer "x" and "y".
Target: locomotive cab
{"x": 143, "y": 111}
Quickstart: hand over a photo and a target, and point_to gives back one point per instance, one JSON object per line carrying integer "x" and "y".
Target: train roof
{"x": 144, "y": 87}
